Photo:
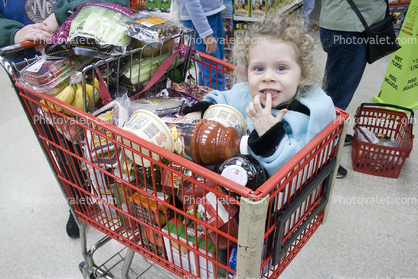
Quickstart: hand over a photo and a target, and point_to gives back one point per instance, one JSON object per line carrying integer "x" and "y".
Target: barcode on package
{"x": 223, "y": 114}
{"x": 151, "y": 130}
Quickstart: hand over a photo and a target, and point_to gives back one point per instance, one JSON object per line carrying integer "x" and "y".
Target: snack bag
{"x": 152, "y": 29}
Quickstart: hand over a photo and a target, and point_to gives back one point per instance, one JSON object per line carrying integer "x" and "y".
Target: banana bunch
{"x": 92, "y": 95}
{"x": 73, "y": 95}
{"x": 66, "y": 95}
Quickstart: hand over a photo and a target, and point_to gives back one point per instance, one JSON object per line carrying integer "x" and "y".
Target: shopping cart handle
{"x": 20, "y": 46}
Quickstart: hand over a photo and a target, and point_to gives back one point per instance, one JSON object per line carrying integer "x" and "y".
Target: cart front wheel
{"x": 87, "y": 273}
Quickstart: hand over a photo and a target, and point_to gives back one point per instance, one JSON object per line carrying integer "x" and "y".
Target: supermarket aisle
{"x": 370, "y": 232}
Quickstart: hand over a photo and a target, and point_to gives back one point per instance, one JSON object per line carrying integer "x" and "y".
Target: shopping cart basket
{"x": 394, "y": 127}
{"x": 137, "y": 206}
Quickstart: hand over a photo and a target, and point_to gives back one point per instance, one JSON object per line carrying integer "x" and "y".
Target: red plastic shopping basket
{"x": 378, "y": 159}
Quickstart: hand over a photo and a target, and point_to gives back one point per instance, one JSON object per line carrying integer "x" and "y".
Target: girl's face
{"x": 273, "y": 69}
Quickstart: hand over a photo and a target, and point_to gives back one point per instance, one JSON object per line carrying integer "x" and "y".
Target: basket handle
{"x": 411, "y": 116}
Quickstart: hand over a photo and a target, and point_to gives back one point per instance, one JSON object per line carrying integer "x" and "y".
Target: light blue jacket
{"x": 197, "y": 11}
{"x": 300, "y": 128}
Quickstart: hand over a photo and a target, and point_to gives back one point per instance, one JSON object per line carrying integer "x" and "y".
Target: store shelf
{"x": 290, "y": 6}
{"x": 255, "y": 19}
{"x": 245, "y": 18}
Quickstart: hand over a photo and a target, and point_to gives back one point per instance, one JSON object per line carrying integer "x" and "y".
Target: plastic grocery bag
{"x": 175, "y": 12}
{"x": 94, "y": 29}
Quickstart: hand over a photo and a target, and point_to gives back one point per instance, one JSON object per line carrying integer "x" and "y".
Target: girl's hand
{"x": 262, "y": 118}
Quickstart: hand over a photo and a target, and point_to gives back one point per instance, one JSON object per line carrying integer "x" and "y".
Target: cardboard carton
{"x": 182, "y": 255}
{"x": 242, "y": 8}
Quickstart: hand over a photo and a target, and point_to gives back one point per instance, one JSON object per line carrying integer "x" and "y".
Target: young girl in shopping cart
{"x": 285, "y": 107}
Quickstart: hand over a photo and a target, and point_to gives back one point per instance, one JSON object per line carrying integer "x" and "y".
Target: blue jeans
{"x": 210, "y": 78}
{"x": 308, "y": 6}
{"x": 345, "y": 64}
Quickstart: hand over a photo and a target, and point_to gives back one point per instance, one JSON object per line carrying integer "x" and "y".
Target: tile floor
{"x": 361, "y": 239}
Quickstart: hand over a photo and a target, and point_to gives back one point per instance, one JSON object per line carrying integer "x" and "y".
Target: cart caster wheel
{"x": 87, "y": 273}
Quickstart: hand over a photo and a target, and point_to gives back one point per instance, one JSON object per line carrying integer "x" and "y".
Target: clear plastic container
{"x": 52, "y": 76}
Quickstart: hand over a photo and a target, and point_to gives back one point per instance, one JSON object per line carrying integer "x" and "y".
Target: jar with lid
{"x": 245, "y": 170}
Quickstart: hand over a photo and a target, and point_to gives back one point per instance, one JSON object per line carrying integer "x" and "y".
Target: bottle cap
{"x": 243, "y": 145}
{"x": 236, "y": 173}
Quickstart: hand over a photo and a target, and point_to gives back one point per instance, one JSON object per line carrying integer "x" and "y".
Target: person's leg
{"x": 344, "y": 69}
{"x": 308, "y": 6}
{"x": 345, "y": 64}
{"x": 216, "y": 23}
{"x": 209, "y": 77}
{"x": 70, "y": 169}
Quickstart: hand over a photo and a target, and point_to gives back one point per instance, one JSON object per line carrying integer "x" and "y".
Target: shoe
{"x": 348, "y": 140}
{"x": 72, "y": 227}
{"x": 341, "y": 172}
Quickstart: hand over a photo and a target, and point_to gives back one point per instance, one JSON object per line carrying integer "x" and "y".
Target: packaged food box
{"x": 243, "y": 8}
{"x": 152, "y": 5}
{"x": 121, "y": 194}
{"x": 165, "y": 5}
{"x": 152, "y": 240}
{"x": 150, "y": 210}
{"x": 271, "y": 7}
{"x": 258, "y": 9}
{"x": 263, "y": 9}
{"x": 180, "y": 255}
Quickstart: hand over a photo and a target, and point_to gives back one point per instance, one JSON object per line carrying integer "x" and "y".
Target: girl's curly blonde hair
{"x": 279, "y": 27}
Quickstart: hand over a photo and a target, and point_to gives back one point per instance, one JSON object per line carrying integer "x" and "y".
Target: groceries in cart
{"x": 179, "y": 253}
{"x": 136, "y": 74}
{"x": 101, "y": 29}
{"x": 161, "y": 106}
{"x": 52, "y": 76}
{"x": 101, "y": 150}
{"x": 94, "y": 29}
{"x": 149, "y": 28}
{"x": 196, "y": 92}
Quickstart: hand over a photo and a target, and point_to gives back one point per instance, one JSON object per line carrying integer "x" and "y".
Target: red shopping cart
{"x": 136, "y": 204}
